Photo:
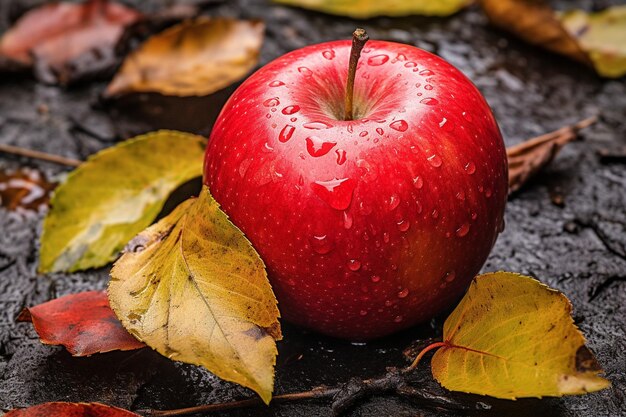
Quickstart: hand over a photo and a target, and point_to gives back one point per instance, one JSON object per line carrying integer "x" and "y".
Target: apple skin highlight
{"x": 366, "y": 226}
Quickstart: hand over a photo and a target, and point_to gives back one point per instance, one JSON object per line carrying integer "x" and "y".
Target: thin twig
{"x": 43, "y": 156}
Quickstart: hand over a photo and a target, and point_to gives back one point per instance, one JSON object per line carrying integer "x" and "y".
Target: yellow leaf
{"x": 597, "y": 40}
{"x": 195, "y": 58}
{"x": 364, "y": 9}
{"x": 602, "y": 36}
{"x": 193, "y": 288}
{"x": 113, "y": 196}
{"x": 513, "y": 337}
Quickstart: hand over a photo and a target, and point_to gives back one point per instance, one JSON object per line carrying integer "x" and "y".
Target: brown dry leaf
{"x": 595, "y": 39}
{"x": 54, "y": 37}
{"x": 193, "y": 288}
{"x": 366, "y": 9}
{"x": 195, "y": 58}
{"x": 529, "y": 157}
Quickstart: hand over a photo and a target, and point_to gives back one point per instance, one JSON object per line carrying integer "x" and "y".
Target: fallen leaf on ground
{"x": 83, "y": 323}
{"x": 597, "y": 40}
{"x": 113, "y": 196}
{"x": 512, "y": 337}
{"x": 195, "y": 58}
{"x": 193, "y": 288}
{"x": 364, "y": 9}
{"x": 602, "y": 36}
{"x": 57, "y": 37}
{"x": 60, "y": 409}
{"x": 528, "y": 158}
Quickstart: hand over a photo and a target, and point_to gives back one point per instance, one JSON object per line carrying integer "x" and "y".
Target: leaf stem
{"x": 319, "y": 392}
{"x": 422, "y": 353}
{"x": 359, "y": 38}
{"x": 43, "y": 156}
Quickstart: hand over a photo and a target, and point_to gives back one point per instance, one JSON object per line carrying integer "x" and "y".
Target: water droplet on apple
{"x": 426, "y": 73}
{"x": 318, "y": 147}
{"x": 474, "y": 215}
{"x": 375, "y": 278}
{"x": 466, "y": 116}
{"x": 328, "y": 54}
{"x": 271, "y": 102}
{"x": 354, "y": 265}
{"x": 347, "y": 220}
{"x": 470, "y": 168}
{"x": 341, "y": 156}
{"x": 267, "y": 147}
{"x": 394, "y": 201}
{"x": 435, "y": 160}
{"x": 398, "y": 319}
{"x": 276, "y": 83}
{"x": 429, "y": 101}
{"x": 363, "y": 133}
{"x": 291, "y": 109}
{"x": 380, "y": 130}
{"x": 410, "y": 64}
{"x": 403, "y": 293}
{"x": 418, "y": 85}
{"x": 364, "y": 209}
{"x": 243, "y": 167}
{"x": 386, "y": 237}
{"x": 446, "y": 125}
{"x": 434, "y": 214}
{"x": 286, "y": 133}
{"x": 399, "y": 125}
{"x": 403, "y": 225}
{"x": 305, "y": 71}
{"x": 463, "y": 230}
{"x": 293, "y": 119}
{"x": 317, "y": 125}
{"x": 488, "y": 192}
{"x": 449, "y": 276}
{"x": 337, "y": 193}
{"x": 377, "y": 60}
{"x": 428, "y": 87}
{"x": 400, "y": 57}
{"x": 321, "y": 244}
{"x": 460, "y": 195}
{"x": 418, "y": 182}
{"x": 363, "y": 312}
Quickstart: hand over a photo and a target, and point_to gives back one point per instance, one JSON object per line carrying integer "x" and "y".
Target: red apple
{"x": 370, "y": 225}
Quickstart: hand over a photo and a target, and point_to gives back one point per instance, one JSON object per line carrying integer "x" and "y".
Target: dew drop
{"x": 418, "y": 85}
{"x": 337, "y": 193}
{"x": 460, "y": 195}
{"x": 375, "y": 278}
{"x": 286, "y": 133}
{"x": 347, "y": 220}
{"x": 293, "y": 119}
{"x": 318, "y": 147}
{"x": 410, "y": 64}
{"x": 418, "y": 182}
{"x": 317, "y": 125}
{"x": 400, "y": 57}
{"x": 434, "y": 214}
{"x": 363, "y": 312}
{"x": 377, "y": 60}
{"x": 463, "y": 230}
{"x": 426, "y": 73}
{"x": 354, "y": 265}
{"x": 291, "y": 109}
{"x": 271, "y": 102}
{"x": 398, "y": 319}
{"x": 435, "y": 160}
{"x": 449, "y": 277}
{"x": 403, "y": 293}
{"x": 305, "y": 71}
{"x": 470, "y": 168}
{"x": 428, "y": 87}
{"x": 386, "y": 237}
{"x": 276, "y": 83}
{"x": 403, "y": 225}
{"x": 394, "y": 201}
{"x": 321, "y": 244}
{"x": 474, "y": 216}
{"x": 363, "y": 133}
{"x": 328, "y": 54}
{"x": 466, "y": 116}
{"x": 399, "y": 125}
{"x": 429, "y": 101}
{"x": 341, "y": 156}
{"x": 380, "y": 130}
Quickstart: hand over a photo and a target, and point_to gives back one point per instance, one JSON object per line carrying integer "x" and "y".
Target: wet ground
{"x": 577, "y": 246}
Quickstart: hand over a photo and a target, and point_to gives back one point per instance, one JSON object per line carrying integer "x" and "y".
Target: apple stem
{"x": 359, "y": 38}
{"x": 29, "y": 153}
{"x": 422, "y": 353}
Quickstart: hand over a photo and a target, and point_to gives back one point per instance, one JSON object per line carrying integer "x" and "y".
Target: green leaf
{"x": 113, "y": 196}
{"x": 602, "y": 36}
{"x": 194, "y": 289}
{"x": 513, "y": 337}
{"x": 364, "y": 9}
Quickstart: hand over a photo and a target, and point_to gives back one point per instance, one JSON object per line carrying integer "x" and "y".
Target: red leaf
{"x": 53, "y": 36}
{"x": 83, "y": 323}
{"x": 59, "y": 409}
